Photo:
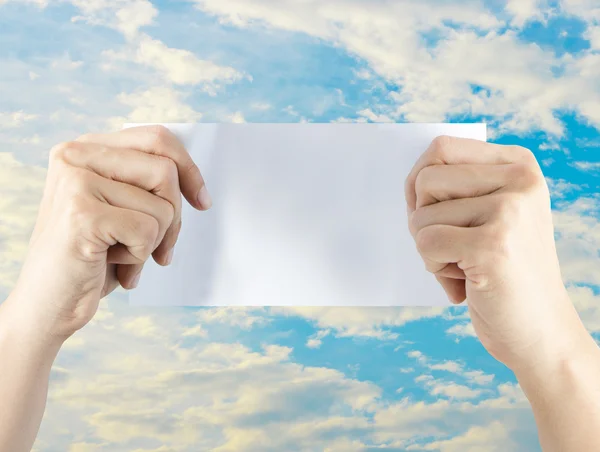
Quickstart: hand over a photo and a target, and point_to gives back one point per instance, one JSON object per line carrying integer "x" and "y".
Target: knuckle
{"x": 77, "y": 209}
{"x": 416, "y": 220}
{"x": 190, "y": 168}
{"x": 440, "y": 146}
{"x": 424, "y": 179}
{"x": 64, "y": 151}
{"x": 161, "y": 136}
{"x": 409, "y": 182}
{"x": 86, "y": 249}
{"x": 149, "y": 229}
{"x": 525, "y": 154}
{"x": 168, "y": 212}
{"x": 167, "y": 171}
{"x": 85, "y": 138}
{"x": 426, "y": 240}
{"x": 527, "y": 175}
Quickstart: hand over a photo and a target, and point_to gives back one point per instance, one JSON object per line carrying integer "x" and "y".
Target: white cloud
{"x": 362, "y": 322}
{"x": 559, "y": 188}
{"x": 65, "y": 63}
{"x": 586, "y": 9}
{"x": 242, "y": 317}
{"x": 371, "y": 116}
{"x": 578, "y": 243}
{"x": 522, "y": 91}
{"x": 177, "y": 66}
{"x": 452, "y": 390}
{"x": 236, "y": 118}
{"x": 491, "y": 438}
{"x": 463, "y": 329}
{"x": 523, "y": 11}
{"x": 39, "y": 3}
{"x": 449, "y": 366}
{"x": 588, "y": 306}
{"x": 317, "y": 339}
{"x": 157, "y": 104}
{"x": 587, "y": 166}
{"x": 127, "y": 16}
{"x": 403, "y": 423}
{"x": 221, "y": 397}
{"x": 261, "y": 106}
{"x": 472, "y": 377}
{"x": 11, "y": 120}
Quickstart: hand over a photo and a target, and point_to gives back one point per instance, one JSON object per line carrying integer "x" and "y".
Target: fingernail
{"x": 136, "y": 280}
{"x": 169, "y": 257}
{"x": 204, "y": 198}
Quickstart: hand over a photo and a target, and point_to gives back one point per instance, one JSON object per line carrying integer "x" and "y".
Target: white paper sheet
{"x": 303, "y": 215}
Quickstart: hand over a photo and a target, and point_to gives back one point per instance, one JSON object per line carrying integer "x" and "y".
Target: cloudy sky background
{"x": 305, "y": 379}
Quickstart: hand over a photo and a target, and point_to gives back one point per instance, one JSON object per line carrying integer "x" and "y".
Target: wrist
{"x": 559, "y": 357}
{"x": 20, "y": 326}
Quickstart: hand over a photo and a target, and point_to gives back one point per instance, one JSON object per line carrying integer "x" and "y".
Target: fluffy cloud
{"x": 127, "y": 16}
{"x": 21, "y": 187}
{"x": 229, "y": 397}
{"x": 362, "y": 322}
{"x": 156, "y": 104}
{"x": 520, "y": 89}
{"x": 491, "y": 438}
{"x": 177, "y": 66}
{"x": 15, "y": 119}
{"x": 559, "y": 188}
{"x": 221, "y": 397}
{"x": 398, "y": 423}
{"x": 39, "y": 3}
{"x": 440, "y": 388}
{"x": 523, "y": 11}
{"x": 587, "y": 166}
{"x": 578, "y": 242}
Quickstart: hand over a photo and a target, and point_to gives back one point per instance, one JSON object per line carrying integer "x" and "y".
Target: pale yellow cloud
{"x": 11, "y": 120}
{"x": 21, "y": 188}
{"x": 494, "y": 437}
{"x": 156, "y": 104}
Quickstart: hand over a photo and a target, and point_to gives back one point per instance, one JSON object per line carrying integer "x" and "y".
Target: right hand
{"x": 480, "y": 215}
{"x": 111, "y": 201}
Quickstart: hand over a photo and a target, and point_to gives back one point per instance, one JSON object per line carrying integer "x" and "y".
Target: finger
{"x": 452, "y": 271}
{"x": 441, "y": 244}
{"x": 136, "y": 231}
{"x": 127, "y": 196}
{"x": 153, "y": 173}
{"x": 454, "y": 288}
{"x": 119, "y": 254}
{"x": 464, "y": 212}
{"x": 438, "y": 183}
{"x": 446, "y": 150}
{"x": 129, "y": 233}
{"x": 159, "y": 140}
{"x": 129, "y": 275}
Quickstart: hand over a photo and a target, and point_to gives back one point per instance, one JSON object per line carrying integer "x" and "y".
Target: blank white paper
{"x": 303, "y": 215}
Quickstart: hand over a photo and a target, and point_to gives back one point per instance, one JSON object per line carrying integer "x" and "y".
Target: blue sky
{"x": 339, "y": 379}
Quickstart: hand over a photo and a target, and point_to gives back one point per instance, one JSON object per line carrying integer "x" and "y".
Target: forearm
{"x": 26, "y": 357}
{"x": 565, "y": 397}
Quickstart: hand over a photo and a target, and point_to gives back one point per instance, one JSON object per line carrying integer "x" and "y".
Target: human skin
{"x": 480, "y": 215}
{"x": 481, "y": 218}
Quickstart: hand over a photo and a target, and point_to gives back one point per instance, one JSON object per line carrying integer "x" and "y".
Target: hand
{"x": 481, "y": 218}
{"x": 110, "y": 202}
